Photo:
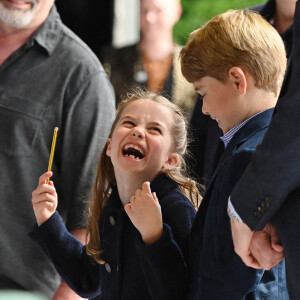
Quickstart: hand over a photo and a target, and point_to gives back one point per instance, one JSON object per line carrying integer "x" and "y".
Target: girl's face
{"x": 142, "y": 139}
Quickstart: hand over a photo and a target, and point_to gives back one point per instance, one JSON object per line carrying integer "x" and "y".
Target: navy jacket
{"x": 216, "y": 271}
{"x": 126, "y": 257}
{"x": 273, "y": 177}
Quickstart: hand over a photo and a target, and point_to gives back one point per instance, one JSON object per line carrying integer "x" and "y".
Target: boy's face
{"x": 221, "y": 101}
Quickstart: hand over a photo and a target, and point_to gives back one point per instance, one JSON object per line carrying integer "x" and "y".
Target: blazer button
{"x": 261, "y": 208}
{"x": 257, "y": 214}
{"x": 112, "y": 220}
{"x": 107, "y": 267}
{"x": 268, "y": 199}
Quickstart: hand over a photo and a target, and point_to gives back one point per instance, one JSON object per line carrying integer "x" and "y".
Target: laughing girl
{"x": 142, "y": 161}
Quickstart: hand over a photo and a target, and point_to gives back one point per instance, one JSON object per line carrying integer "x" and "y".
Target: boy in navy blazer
{"x": 237, "y": 63}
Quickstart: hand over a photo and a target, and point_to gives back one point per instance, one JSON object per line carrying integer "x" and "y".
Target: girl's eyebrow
{"x": 156, "y": 124}
{"x": 127, "y": 117}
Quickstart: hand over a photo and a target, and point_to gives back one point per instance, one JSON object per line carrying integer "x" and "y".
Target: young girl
{"x": 147, "y": 142}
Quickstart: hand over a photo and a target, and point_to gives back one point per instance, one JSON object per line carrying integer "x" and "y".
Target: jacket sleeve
{"x": 68, "y": 255}
{"x": 274, "y": 171}
{"x": 164, "y": 262}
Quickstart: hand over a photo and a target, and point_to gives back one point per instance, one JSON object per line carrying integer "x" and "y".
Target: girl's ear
{"x": 108, "y": 149}
{"x": 239, "y": 79}
{"x": 172, "y": 161}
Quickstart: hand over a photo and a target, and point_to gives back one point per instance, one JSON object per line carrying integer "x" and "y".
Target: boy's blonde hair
{"x": 236, "y": 38}
{"x": 106, "y": 179}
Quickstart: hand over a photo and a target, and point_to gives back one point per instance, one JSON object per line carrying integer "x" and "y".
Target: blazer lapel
{"x": 257, "y": 123}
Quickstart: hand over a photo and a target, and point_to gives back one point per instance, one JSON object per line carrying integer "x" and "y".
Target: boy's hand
{"x": 44, "y": 199}
{"x": 242, "y": 236}
{"x": 145, "y": 213}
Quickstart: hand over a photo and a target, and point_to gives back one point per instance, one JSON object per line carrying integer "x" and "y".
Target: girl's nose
{"x": 137, "y": 132}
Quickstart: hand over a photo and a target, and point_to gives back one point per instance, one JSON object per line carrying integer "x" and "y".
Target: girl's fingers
{"x": 138, "y": 193}
{"x": 127, "y": 208}
{"x": 44, "y": 188}
{"x": 44, "y": 177}
{"x": 132, "y": 199}
{"x": 44, "y": 198}
{"x": 146, "y": 187}
{"x": 154, "y": 196}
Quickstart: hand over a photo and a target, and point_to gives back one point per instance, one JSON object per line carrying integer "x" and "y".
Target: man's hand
{"x": 266, "y": 247}
{"x": 145, "y": 213}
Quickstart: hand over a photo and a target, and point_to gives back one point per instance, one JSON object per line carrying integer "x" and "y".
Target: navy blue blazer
{"x": 269, "y": 190}
{"x": 216, "y": 271}
{"x": 126, "y": 257}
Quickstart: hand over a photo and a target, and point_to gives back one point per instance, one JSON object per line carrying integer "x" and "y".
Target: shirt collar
{"x": 48, "y": 34}
{"x": 226, "y": 138}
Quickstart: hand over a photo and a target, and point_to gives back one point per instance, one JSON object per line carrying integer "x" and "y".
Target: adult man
{"x": 48, "y": 78}
{"x": 270, "y": 189}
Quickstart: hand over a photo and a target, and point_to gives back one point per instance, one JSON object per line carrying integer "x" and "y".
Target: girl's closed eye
{"x": 155, "y": 129}
{"x": 128, "y": 123}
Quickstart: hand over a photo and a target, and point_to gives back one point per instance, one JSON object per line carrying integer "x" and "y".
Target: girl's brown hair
{"x": 106, "y": 180}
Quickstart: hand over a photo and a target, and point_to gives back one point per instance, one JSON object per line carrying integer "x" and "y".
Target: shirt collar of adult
{"x": 48, "y": 34}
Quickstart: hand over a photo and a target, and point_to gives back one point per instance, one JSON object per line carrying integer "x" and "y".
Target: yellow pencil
{"x": 52, "y": 151}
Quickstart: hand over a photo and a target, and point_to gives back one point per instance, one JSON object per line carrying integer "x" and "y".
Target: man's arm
{"x": 273, "y": 173}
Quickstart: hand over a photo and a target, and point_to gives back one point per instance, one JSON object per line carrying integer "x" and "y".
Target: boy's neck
{"x": 259, "y": 100}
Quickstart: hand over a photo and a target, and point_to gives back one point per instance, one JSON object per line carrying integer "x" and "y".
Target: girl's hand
{"x": 145, "y": 213}
{"x": 44, "y": 199}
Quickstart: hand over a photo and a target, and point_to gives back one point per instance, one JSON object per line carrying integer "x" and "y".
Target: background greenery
{"x": 197, "y": 12}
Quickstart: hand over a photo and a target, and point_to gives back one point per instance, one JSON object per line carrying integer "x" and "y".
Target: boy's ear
{"x": 108, "y": 149}
{"x": 171, "y": 162}
{"x": 239, "y": 79}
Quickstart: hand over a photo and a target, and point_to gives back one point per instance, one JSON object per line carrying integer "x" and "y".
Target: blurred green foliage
{"x": 197, "y": 12}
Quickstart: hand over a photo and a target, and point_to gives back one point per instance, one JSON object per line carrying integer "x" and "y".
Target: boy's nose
{"x": 204, "y": 110}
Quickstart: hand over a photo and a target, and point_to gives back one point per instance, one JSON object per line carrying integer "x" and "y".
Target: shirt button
{"x": 107, "y": 267}
{"x": 112, "y": 220}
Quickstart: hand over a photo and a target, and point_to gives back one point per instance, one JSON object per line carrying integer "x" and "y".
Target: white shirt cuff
{"x": 231, "y": 208}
